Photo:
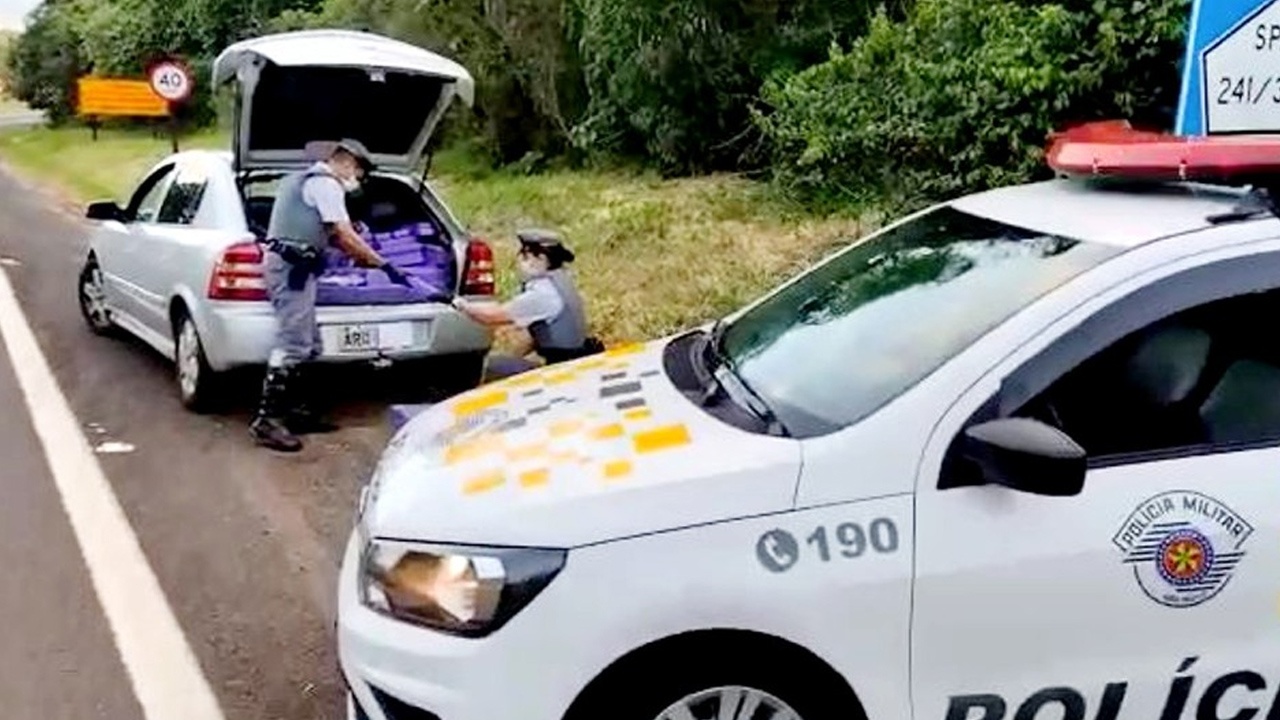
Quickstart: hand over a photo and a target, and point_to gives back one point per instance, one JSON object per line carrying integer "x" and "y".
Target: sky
{"x": 12, "y": 12}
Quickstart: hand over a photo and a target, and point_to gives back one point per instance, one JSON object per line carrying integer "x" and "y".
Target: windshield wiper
{"x": 753, "y": 403}
{"x": 723, "y": 374}
{"x": 710, "y": 359}
{"x": 1259, "y": 201}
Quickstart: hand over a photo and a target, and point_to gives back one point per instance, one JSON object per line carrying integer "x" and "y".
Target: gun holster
{"x": 304, "y": 262}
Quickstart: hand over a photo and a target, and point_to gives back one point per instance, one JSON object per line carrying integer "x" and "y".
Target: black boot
{"x": 302, "y": 417}
{"x": 268, "y": 428}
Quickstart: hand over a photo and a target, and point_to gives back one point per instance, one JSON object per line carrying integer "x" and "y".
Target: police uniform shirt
{"x": 326, "y": 194}
{"x": 537, "y": 302}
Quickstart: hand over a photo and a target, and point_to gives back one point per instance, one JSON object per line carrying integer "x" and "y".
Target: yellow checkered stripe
{"x": 532, "y": 465}
{"x": 609, "y": 445}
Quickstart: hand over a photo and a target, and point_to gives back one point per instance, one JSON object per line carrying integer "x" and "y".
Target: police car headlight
{"x": 466, "y": 591}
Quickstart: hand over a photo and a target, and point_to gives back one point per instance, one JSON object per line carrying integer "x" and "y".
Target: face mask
{"x": 351, "y": 185}
{"x": 529, "y": 267}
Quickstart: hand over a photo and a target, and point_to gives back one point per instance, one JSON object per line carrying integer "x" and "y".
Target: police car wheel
{"x": 731, "y": 701}
{"x": 93, "y": 299}
{"x": 196, "y": 380}
{"x": 747, "y": 682}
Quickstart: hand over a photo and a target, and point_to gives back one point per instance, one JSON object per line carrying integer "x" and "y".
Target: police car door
{"x": 1154, "y": 592}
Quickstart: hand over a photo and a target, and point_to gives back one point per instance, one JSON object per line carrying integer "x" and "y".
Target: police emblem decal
{"x": 1183, "y": 546}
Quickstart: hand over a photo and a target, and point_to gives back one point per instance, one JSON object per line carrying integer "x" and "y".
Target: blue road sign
{"x": 1231, "y": 71}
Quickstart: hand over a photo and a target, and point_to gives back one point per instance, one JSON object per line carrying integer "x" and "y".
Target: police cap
{"x": 357, "y": 150}
{"x": 545, "y": 242}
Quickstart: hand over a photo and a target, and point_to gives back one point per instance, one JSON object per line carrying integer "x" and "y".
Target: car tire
{"x": 670, "y": 687}
{"x": 91, "y": 292}
{"x": 198, "y": 384}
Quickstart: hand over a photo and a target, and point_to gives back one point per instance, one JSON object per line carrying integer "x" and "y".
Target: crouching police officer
{"x": 548, "y": 307}
{"x": 310, "y": 212}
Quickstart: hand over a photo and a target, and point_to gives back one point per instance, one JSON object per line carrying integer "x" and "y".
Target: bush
{"x": 673, "y": 82}
{"x": 962, "y": 95}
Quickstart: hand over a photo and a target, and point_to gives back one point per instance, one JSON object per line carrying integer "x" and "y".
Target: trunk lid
{"x": 300, "y": 90}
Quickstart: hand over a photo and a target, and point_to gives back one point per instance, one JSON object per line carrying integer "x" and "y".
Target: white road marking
{"x": 162, "y": 669}
{"x": 113, "y": 447}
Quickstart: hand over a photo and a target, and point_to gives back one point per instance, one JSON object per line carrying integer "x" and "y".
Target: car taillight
{"x": 477, "y": 277}
{"x": 238, "y": 275}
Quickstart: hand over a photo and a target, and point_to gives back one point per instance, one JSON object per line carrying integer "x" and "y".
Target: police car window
{"x": 185, "y": 194}
{"x": 853, "y": 333}
{"x": 146, "y": 201}
{"x": 1202, "y": 380}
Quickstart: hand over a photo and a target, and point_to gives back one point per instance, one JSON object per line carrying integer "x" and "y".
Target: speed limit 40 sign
{"x": 171, "y": 80}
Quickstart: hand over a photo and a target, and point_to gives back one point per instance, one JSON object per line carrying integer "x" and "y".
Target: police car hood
{"x": 583, "y": 452}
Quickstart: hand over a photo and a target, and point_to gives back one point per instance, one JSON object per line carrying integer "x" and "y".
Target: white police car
{"x": 1015, "y": 457}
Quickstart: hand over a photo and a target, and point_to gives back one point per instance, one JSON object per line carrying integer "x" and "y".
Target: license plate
{"x": 372, "y": 337}
{"x": 397, "y": 336}
{"x": 357, "y": 338}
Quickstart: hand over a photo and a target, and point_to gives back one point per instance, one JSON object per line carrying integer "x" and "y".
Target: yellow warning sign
{"x": 114, "y": 97}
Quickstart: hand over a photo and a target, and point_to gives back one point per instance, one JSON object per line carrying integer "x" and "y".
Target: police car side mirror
{"x": 1026, "y": 455}
{"x": 105, "y": 210}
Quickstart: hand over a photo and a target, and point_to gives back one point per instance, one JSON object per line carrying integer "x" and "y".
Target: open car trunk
{"x": 397, "y": 223}
{"x": 299, "y": 90}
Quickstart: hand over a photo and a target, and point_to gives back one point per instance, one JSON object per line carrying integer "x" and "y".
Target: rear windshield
{"x": 855, "y": 332}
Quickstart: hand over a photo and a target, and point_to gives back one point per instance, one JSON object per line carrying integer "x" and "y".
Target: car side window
{"x": 145, "y": 205}
{"x": 182, "y": 201}
{"x": 1181, "y": 367}
{"x": 1202, "y": 380}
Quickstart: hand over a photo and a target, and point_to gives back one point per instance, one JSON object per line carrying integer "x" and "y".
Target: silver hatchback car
{"x": 181, "y": 265}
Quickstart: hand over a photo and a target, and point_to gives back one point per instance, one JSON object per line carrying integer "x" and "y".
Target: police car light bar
{"x": 1114, "y": 149}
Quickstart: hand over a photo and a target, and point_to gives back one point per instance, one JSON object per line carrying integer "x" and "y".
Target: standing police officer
{"x": 548, "y": 307}
{"x": 310, "y": 212}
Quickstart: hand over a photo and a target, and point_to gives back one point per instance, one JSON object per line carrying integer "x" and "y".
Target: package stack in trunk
{"x": 418, "y": 250}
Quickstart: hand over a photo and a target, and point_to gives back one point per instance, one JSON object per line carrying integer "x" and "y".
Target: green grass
{"x": 654, "y": 255}
{"x": 85, "y": 169}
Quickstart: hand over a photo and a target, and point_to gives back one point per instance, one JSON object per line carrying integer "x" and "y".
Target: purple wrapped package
{"x": 429, "y": 267}
{"x": 374, "y": 288}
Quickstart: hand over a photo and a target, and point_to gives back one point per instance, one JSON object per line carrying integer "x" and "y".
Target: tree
{"x": 528, "y": 84}
{"x": 45, "y": 61}
{"x": 7, "y": 39}
{"x": 66, "y": 38}
{"x": 675, "y": 81}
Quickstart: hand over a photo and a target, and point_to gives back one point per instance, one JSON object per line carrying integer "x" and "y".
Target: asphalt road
{"x": 21, "y": 119}
{"x": 244, "y": 544}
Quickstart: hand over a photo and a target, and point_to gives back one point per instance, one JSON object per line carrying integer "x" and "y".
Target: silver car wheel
{"x": 731, "y": 702}
{"x": 94, "y": 297}
{"x": 188, "y": 359}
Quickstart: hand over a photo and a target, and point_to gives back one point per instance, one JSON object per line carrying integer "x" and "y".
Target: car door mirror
{"x": 105, "y": 210}
{"x": 1027, "y": 455}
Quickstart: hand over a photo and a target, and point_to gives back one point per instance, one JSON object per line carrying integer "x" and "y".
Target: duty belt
{"x": 306, "y": 260}
{"x": 284, "y": 247}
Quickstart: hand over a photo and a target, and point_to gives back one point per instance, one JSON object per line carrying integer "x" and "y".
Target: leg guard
{"x": 268, "y": 428}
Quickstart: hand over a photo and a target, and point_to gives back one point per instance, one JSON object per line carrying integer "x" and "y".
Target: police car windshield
{"x": 854, "y": 333}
